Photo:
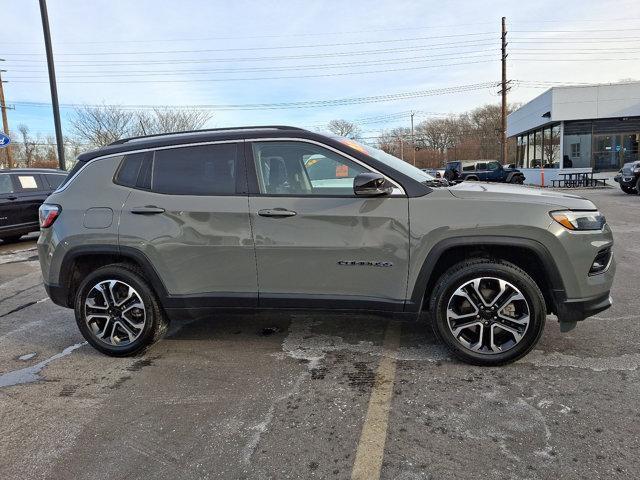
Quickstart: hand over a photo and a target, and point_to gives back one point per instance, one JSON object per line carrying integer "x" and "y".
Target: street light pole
{"x": 52, "y": 82}
{"x": 413, "y": 140}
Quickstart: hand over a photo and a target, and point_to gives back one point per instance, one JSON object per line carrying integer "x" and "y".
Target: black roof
{"x": 210, "y": 135}
{"x": 32, "y": 170}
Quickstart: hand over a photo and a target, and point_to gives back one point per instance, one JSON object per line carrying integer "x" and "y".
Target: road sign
{"x": 4, "y": 140}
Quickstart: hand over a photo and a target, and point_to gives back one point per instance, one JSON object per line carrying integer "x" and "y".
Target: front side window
{"x": 199, "y": 170}
{"x": 6, "y": 186}
{"x": 298, "y": 168}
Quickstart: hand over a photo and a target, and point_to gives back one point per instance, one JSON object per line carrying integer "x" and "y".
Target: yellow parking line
{"x": 374, "y": 431}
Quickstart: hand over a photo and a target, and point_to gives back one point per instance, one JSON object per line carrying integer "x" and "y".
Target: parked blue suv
{"x": 484, "y": 171}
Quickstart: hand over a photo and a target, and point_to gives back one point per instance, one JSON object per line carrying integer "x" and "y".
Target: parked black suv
{"x": 629, "y": 178}
{"x": 22, "y": 191}
{"x": 484, "y": 171}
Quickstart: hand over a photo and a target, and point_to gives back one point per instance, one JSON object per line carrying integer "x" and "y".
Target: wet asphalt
{"x": 286, "y": 395}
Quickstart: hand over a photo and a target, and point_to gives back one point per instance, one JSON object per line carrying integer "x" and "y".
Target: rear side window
{"x": 481, "y": 166}
{"x": 54, "y": 181}
{"x": 200, "y": 170}
{"x": 129, "y": 169}
{"x": 6, "y": 186}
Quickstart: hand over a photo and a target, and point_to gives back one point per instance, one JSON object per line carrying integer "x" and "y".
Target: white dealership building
{"x": 577, "y": 128}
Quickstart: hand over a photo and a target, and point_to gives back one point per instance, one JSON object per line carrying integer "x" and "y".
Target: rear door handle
{"x": 276, "y": 212}
{"x": 12, "y": 198}
{"x": 147, "y": 210}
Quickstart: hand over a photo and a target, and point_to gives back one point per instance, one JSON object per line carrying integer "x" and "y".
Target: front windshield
{"x": 394, "y": 162}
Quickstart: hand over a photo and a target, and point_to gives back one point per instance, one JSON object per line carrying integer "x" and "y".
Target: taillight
{"x": 48, "y": 213}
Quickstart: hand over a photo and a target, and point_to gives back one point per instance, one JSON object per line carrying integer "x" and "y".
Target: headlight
{"x": 579, "y": 220}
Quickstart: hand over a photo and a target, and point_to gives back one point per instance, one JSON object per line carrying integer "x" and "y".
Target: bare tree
{"x": 439, "y": 134}
{"x": 344, "y": 128}
{"x": 99, "y": 126}
{"x": 29, "y": 146}
{"x": 163, "y": 121}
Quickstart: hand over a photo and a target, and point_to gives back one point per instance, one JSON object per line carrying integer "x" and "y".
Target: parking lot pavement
{"x": 301, "y": 396}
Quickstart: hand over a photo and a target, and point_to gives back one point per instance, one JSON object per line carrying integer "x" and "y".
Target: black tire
{"x": 156, "y": 323}
{"x": 11, "y": 239}
{"x": 638, "y": 186}
{"x": 468, "y": 270}
{"x": 472, "y": 178}
{"x": 517, "y": 179}
{"x": 628, "y": 190}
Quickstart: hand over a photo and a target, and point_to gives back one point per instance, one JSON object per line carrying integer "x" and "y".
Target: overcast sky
{"x": 198, "y": 52}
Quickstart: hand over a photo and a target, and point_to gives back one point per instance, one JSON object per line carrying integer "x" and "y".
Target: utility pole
{"x": 504, "y": 92}
{"x": 5, "y": 122}
{"x": 52, "y": 82}
{"x": 413, "y": 140}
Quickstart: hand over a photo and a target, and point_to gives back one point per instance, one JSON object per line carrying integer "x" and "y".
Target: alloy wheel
{"x": 114, "y": 312}
{"x": 488, "y": 315}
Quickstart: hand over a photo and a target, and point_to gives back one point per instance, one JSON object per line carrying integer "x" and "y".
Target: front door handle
{"x": 147, "y": 210}
{"x": 12, "y": 198}
{"x": 276, "y": 212}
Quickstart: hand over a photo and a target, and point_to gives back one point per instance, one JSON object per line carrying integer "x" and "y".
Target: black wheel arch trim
{"x": 126, "y": 253}
{"x": 419, "y": 293}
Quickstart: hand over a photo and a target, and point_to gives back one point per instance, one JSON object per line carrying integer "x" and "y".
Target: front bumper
{"x": 575, "y": 310}
{"x": 626, "y": 180}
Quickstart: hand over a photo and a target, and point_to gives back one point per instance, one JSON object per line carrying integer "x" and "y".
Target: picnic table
{"x": 578, "y": 179}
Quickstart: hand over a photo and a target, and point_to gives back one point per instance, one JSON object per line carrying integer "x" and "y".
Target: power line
{"x": 244, "y": 37}
{"x": 293, "y": 105}
{"x": 287, "y": 77}
{"x": 440, "y": 56}
{"x": 399, "y": 61}
{"x": 280, "y": 47}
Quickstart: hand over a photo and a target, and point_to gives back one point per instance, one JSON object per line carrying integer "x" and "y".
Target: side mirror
{"x": 371, "y": 184}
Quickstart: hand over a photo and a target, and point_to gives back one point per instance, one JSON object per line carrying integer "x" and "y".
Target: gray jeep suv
{"x": 181, "y": 225}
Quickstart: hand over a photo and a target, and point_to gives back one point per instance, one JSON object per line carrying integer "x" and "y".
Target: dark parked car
{"x": 22, "y": 191}
{"x": 484, "y": 171}
{"x": 629, "y": 178}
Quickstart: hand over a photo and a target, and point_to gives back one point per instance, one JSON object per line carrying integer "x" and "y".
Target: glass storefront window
{"x": 530, "y": 151}
{"x": 524, "y": 151}
{"x": 551, "y": 147}
{"x": 536, "y": 162}
{"x": 630, "y": 147}
{"x": 607, "y": 150}
{"x": 577, "y": 151}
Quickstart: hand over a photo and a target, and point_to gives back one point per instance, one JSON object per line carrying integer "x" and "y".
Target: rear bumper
{"x": 575, "y": 310}
{"x": 58, "y": 295}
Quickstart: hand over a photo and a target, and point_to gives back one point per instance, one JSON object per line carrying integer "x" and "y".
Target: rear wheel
{"x": 117, "y": 311}
{"x": 472, "y": 178}
{"x": 488, "y": 313}
{"x": 638, "y": 186}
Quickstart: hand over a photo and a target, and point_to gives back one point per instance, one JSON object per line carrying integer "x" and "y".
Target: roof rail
{"x": 259, "y": 127}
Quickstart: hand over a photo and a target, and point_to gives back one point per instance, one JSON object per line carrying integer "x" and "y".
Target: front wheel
{"x": 118, "y": 312}
{"x": 629, "y": 190}
{"x": 488, "y": 312}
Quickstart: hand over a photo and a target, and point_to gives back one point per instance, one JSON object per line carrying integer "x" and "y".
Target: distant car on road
{"x": 485, "y": 171}
{"x": 629, "y": 178}
{"x": 22, "y": 191}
